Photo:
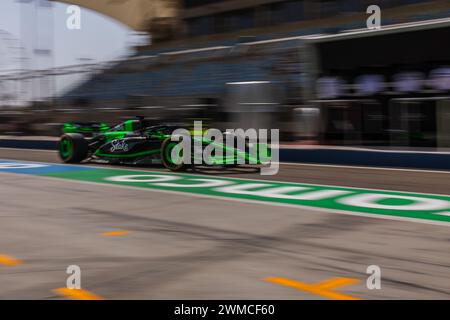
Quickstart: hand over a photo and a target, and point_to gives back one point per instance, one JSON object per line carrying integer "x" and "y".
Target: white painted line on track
{"x": 443, "y": 213}
{"x": 363, "y": 167}
{"x": 340, "y": 148}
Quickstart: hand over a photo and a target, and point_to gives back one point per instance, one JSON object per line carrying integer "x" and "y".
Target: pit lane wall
{"x": 329, "y": 155}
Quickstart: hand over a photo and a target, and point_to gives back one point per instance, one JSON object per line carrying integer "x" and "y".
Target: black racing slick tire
{"x": 166, "y": 157}
{"x": 73, "y": 148}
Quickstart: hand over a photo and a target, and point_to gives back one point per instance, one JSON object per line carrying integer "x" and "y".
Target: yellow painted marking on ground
{"x": 115, "y": 233}
{"x": 9, "y": 261}
{"x": 323, "y": 288}
{"x": 77, "y": 294}
{"x": 335, "y": 283}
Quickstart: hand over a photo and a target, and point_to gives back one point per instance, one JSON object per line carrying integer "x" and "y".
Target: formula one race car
{"x": 135, "y": 141}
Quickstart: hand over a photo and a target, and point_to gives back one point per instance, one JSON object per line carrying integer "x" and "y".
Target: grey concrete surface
{"x": 181, "y": 247}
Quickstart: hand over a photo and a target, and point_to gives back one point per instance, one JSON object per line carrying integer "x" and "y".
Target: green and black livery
{"x": 136, "y": 141}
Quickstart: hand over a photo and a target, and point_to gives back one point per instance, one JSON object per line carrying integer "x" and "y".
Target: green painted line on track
{"x": 388, "y": 204}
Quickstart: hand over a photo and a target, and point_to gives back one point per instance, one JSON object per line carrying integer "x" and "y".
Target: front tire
{"x": 166, "y": 156}
{"x": 73, "y": 148}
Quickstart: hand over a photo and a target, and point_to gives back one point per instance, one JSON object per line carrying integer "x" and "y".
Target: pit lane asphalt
{"x": 183, "y": 247}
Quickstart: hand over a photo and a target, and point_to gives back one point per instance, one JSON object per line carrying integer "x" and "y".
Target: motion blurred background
{"x": 308, "y": 67}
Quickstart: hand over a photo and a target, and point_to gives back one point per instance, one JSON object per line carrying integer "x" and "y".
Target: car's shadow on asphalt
{"x": 224, "y": 170}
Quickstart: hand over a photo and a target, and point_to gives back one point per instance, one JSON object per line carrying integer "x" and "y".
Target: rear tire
{"x": 166, "y": 158}
{"x": 73, "y": 148}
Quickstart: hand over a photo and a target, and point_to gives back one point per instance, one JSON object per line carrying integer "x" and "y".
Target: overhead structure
{"x": 139, "y": 15}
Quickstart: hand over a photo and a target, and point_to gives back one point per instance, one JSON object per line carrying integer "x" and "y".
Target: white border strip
{"x": 362, "y": 167}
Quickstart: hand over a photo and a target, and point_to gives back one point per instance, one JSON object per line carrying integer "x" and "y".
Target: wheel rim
{"x": 168, "y": 154}
{"x": 65, "y": 148}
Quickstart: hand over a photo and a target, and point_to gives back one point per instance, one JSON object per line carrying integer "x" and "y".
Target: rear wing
{"x": 86, "y": 128}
